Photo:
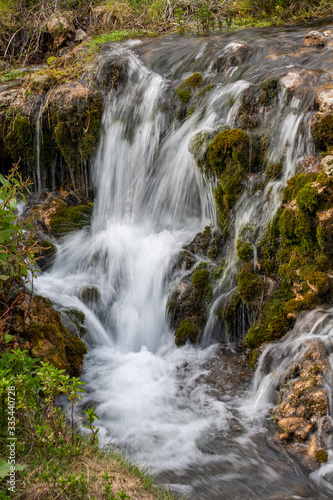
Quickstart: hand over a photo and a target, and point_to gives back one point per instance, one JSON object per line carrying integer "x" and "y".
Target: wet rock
{"x": 314, "y": 39}
{"x": 327, "y": 166}
{"x": 80, "y": 35}
{"x": 295, "y": 426}
{"x": 291, "y": 81}
{"x": 324, "y": 100}
{"x": 234, "y": 55}
{"x": 39, "y": 325}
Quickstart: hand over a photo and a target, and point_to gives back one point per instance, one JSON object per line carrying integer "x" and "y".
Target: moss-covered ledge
{"x": 37, "y": 327}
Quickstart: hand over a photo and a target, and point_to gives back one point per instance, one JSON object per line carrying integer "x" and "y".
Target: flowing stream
{"x": 187, "y": 413}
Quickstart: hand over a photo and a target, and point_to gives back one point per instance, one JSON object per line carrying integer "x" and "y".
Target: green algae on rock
{"x": 185, "y": 90}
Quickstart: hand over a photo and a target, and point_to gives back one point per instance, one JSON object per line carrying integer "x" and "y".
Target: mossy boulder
{"x": 187, "y": 331}
{"x": 185, "y": 90}
{"x": 67, "y": 219}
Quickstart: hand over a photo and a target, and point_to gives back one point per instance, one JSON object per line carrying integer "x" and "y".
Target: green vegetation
{"x": 52, "y": 459}
{"x": 188, "y": 330}
{"x": 295, "y": 257}
{"x": 185, "y": 90}
{"x": 26, "y": 36}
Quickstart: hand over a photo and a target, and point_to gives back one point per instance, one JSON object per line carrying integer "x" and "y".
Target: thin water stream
{"x": 187, "y": 413}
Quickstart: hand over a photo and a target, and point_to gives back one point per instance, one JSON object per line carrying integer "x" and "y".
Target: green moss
{"x": 244, "y": 250}
{"x": 321, "y": 455}
{"x": 287, "y": 225}
{"x": 75, "y": 351}
{"x": 188, "y": 331}
{"x": 206, "y": 89}
{"x": 47, "y": 331}
{"x": 201, "y": 284}
{"x": 256, "y": 335}
{"x": 76, "y": 130}
{"x": 68, "y": 219}
{"x": 229, "y": 147}
{"x": 320, "y": 281}
{"x": 295, "y": 184}
{"x": 269, "y": 90}
{"x": 185, "y": 90}
{"x": 19, "y": 140}
{"x": 307, "y": 198}
{"x": 251, "y": 286}
{"x": 90, "y": 295}
{"x": 322, "y": 132}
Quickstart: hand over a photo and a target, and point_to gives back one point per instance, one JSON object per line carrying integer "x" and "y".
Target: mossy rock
{"x": 229, "y": 312}
{"x": 67, "y": 219}
{"x": 251, "y": 286}
{"x": 321, "y": 455}
{"x": 256, "y": 335}
{"x": 229, "y": 146}
{"x": 90, "y": 295}
{"x": 295, "y": 184}
{"x": 269, "y": 88}
{"x": 186, "y": 89}
{"x": 19, "y": 140}
{"x": 188, "y": 331}
{"x": 245, "y": 251}
{"x": 78, "y": 319}
{"x": 200, "y": 281}
{"x": 322, "y": 132}
{"x": 307, "y": 198}
{"x": 77, "y": 129}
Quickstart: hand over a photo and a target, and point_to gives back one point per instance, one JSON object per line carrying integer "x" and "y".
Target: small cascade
{"x": 181, "y": 411}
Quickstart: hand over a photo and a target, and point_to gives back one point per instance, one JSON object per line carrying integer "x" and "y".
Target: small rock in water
{"x": 291, "y": 81}
{"x": 80, "y": 35}
{"x": 327, "y": 166}
{"x": 314, "y": 39}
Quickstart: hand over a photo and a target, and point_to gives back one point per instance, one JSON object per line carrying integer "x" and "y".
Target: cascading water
{"x": 160, "y": 403}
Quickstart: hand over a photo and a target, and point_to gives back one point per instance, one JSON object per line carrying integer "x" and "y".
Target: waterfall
{"x": 158, "y": 402}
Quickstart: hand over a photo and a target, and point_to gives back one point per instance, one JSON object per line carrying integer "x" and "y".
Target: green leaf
{"x": 4, "y": 181}
{"x": 3, "y": 277}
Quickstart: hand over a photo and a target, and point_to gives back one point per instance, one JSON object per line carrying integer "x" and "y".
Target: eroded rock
{"x": 327, "y": 166}
{"x": 314, "y": 39}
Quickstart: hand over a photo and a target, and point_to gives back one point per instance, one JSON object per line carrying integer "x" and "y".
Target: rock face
{"x": 327, "y": 166}
{"x": 302, "y": 415}
{"x": 314, "y": 39}
{"x": 60, "y": 108}
{"x": 37, "y": 327}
